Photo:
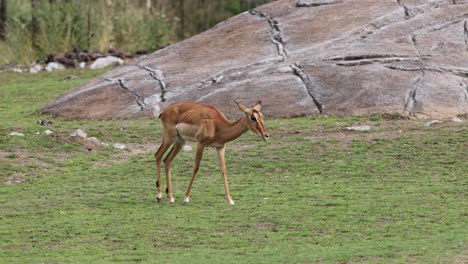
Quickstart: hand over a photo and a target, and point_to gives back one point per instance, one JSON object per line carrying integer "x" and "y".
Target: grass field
{"x": 314, "y": 193}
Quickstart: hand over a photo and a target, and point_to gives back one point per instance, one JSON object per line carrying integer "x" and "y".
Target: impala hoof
{"x": 171, "y": 200}
{"x": 231, "y": 202}
{"x": 158, "y": 197}
{"x": 186, "y": 200}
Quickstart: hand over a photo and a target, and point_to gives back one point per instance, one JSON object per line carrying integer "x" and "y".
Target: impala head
{"x": 255, "y": 119}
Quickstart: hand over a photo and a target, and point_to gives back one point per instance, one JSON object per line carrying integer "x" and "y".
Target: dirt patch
{"x": 21, "y": 159}
{"x": 386, "y": 129}
{"x": 87, "y": 145}
{"x": 37, "y": 163}
{"x": 14, "y": 179}
{"x": 138, "y": 148}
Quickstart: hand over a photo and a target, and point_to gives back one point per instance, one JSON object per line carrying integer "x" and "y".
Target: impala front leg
{"x": 222, "y": 166}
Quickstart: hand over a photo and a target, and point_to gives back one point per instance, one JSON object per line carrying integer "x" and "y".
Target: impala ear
{"x": 242, "y": 107}
{"x": 258, "y": 106}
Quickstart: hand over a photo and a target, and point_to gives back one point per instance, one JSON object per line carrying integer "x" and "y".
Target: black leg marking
{"x": 157, "y": 198}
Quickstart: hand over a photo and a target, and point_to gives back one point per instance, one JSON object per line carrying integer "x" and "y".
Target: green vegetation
{"x": 313, "y": 193}
{"x": 35, "y": 28}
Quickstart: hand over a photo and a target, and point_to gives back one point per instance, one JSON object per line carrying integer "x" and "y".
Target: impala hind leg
{"x": 167, "y": 166}
{"x": 166, "y": 143}
{"x": 198, "y": 158}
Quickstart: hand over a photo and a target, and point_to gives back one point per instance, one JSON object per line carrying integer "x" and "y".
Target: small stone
{"x": 82, "y": 65}
{"x": 52, "y": 66}
{"x": 187, "y": 148}
{"x": 359, "y": 128}
{"x": 119, "y": 146}
{"x": 17, "y": 134}
{"x": 48, "y": 132}
{"x": 44, "y": 122}
{"x": 456, "y": 119}
{"x": 35, "y": 69}
{"x": 93, "y": 140}
{"x": 430, "y": 123}
{"x": 106, "y": 62}
{"x": 79, "y": 133}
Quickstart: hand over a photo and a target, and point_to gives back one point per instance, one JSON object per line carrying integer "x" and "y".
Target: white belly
{"x": 187, "y": 131}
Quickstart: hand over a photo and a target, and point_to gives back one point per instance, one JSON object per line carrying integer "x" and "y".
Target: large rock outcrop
{"x": 333, "y": 57}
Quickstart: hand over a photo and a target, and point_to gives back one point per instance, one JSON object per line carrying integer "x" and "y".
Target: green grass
{"x": 314, "y": 193}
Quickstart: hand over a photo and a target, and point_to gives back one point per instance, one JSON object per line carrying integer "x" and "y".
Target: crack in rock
{"x": 413, "y": 40}
{"x": 407, "y": 11}
{"x": 466, "y": 91}
{"x": 455, "y": 71}
{"x": 159, "y": 77}
{"x": 401, "y": 68}
{"x": 225, "y": 76}
{"x": 308, "y": 84}
{"x": 465, "y": 34}
{"x": 366, "y": 56}
{"x": 276, "y": 36}
{"x": 418, "y": 51}
{"x": 438, "y": 25}
{"x": 121, "y": 82}
{"x": 446, "y": 24}
{"x": 315, "y": 4}
{"x": 464, "y": 86}
{"x": 382, "y": 22}
{"x": 461, "y": 72}
{"x": 412, "y": 103}
{"x": 355, "y": 60}
{"x": 384, "y": 61}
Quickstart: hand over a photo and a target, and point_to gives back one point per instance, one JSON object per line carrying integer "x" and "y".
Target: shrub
{"x": 62, "y": 26}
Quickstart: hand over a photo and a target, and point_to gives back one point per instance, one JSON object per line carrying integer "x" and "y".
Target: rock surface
{"x": 333, "y": 57}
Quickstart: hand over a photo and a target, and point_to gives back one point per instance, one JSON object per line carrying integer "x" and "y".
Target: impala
{"x": 206, "y": 125}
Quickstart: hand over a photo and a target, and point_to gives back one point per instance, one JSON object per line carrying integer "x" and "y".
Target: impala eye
{"x": 253, "y": 118}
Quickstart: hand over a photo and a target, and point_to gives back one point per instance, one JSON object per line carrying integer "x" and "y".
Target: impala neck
{"x": 234, "y": 129}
